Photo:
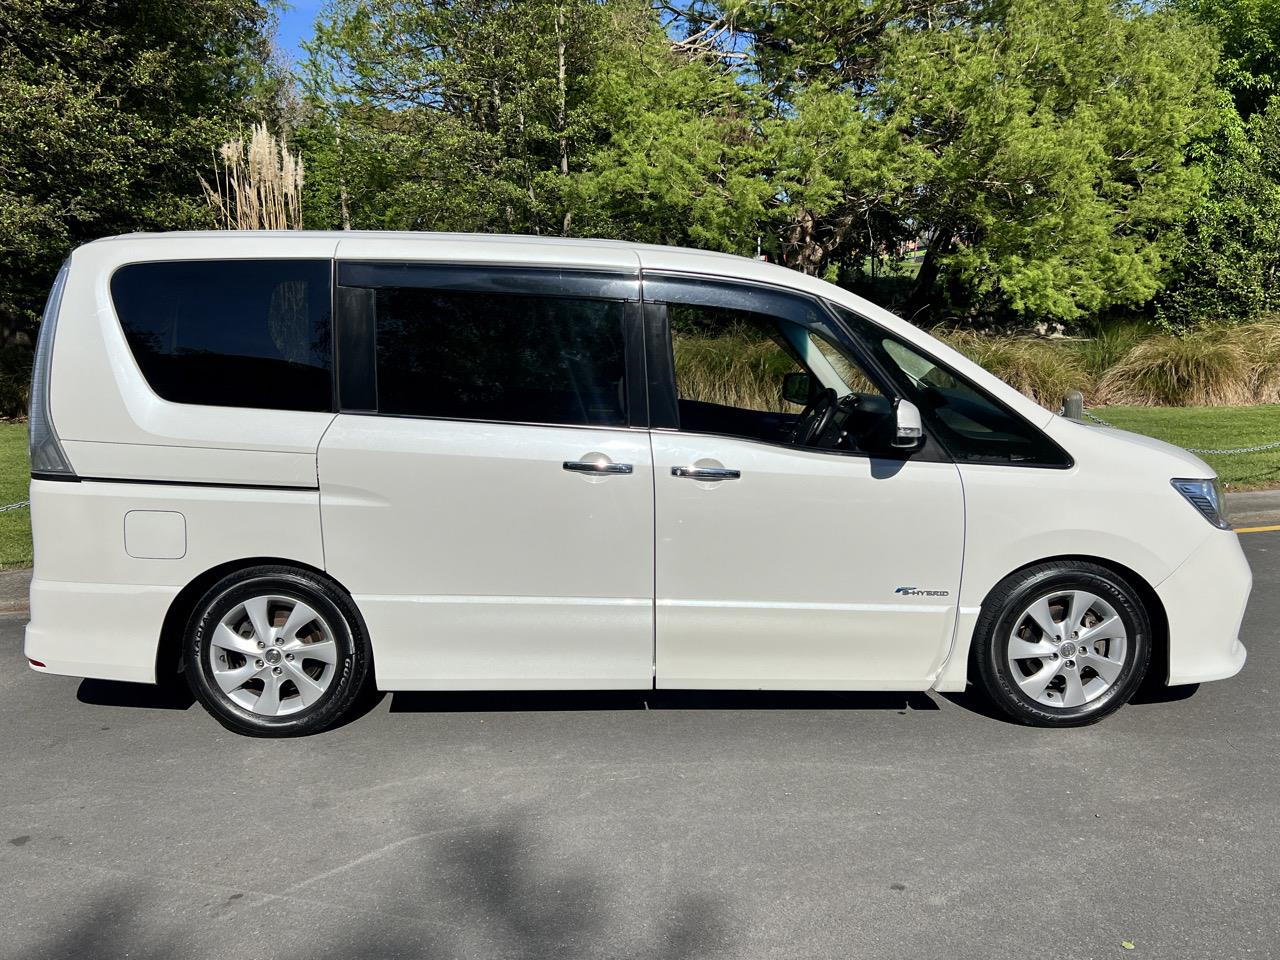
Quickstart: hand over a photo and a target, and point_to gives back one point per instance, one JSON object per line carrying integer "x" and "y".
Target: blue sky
{"x": 296, "y": 21}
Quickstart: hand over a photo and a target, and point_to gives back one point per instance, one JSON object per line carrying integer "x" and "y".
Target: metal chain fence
{"x": 1256, "y": 448}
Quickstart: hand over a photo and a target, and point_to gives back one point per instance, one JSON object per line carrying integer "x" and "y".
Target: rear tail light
{"x": 47, "y": 456}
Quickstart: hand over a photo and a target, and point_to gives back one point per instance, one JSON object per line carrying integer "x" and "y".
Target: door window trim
{"x": 355, "y": 324}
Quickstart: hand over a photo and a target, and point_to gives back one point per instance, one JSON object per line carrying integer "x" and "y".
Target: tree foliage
{"x": 107, "y": 113}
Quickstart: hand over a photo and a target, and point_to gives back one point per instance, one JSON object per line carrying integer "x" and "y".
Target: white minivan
{"x": 294, "y": 465}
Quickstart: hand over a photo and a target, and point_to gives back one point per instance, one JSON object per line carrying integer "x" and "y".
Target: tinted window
{"x": 969, "y": 423}
{"x": 732, "y": 366}
{"x": 490, "y": 356}
{"x": 230, "y": 333}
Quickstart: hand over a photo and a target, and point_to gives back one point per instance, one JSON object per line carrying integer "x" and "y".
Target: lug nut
{"x": 288, "y": 656}
{"x": 258, "y": 663}
{"x": 261, "y": 644}
{"x": 276, "y": 670}
{"x": 1071, "y": 663}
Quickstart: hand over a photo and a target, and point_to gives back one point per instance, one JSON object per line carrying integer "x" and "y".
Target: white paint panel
{"x": 786, "y": 578}
{"x": 96, "y": 611}
{"x": 510, "y": 643}
{"x": 436, "y": 525}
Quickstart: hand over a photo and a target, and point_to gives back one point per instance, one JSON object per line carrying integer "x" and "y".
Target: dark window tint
{"x": 486, "y": 356}
{"x": 230, "y": 333}
{"x": 971, "y": 424}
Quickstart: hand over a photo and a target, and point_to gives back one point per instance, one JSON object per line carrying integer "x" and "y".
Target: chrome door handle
{"x": 597, "y": 466}
{"x": 706, "y": 473}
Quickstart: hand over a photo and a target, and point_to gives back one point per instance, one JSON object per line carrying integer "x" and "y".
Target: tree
{"x": 1227, "y": 261}
{"x": 1249, "y": 31}
{"x": 1226, "y": 267}
{"x": 108, "y": 111}
{"x": 451, "y": 114}
{"x": 1037, "y": 147}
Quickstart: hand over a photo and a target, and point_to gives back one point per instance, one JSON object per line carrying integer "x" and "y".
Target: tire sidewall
{"x": 993, "y": 648}
{"x": 223, "y": 597}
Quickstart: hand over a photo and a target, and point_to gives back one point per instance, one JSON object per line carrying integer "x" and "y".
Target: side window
{"x": 479, "y": 355}
{"x": 969, "y": 423}
{"x": 729, "y": 358}
{"x": 230, "y": 333}
{"x": 762, "y": 376}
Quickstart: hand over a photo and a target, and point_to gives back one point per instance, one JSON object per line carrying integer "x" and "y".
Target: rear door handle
{"x": 706, "y": 473}
{"x": 597, "y": 466}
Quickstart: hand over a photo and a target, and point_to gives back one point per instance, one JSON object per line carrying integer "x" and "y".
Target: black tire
{"x": 1006, "y": 605}
{"x": 346, "y": 684}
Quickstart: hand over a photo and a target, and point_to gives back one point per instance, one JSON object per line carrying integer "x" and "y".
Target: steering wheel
{"x": 816, "y": 418}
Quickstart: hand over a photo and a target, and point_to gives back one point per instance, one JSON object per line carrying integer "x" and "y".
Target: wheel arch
{"x": 1158, "y": 671}
{"x": 169, "y": 649}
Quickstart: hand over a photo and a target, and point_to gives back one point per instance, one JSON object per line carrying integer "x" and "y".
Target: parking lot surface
{"x": 645, "y": 825}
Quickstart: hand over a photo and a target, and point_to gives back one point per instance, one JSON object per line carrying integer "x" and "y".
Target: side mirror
{"x": 908, "y": 432}
{"x": 798, "y": 388}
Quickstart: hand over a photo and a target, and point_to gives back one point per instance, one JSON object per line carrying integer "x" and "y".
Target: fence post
{"x": 1073, "y": 406}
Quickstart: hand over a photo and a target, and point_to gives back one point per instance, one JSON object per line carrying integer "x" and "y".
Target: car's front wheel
{"x": 276, "y": 651}
{"x": 1062, "y": 644}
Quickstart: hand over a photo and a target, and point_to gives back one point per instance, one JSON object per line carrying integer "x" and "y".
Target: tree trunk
{"x": 925, "y": 288}
{"x": 342, "y": 182}
{"x": 562, "y": 112}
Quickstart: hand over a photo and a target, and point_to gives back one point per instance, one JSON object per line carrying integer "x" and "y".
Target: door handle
{"x": 706, "y": 473}
{"x": 597, "y": 466}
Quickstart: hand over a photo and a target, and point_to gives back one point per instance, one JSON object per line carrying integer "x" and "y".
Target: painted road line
{"x": 1257, "y": 529}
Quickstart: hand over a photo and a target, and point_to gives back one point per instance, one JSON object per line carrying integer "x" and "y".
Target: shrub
{"x": 1108, "y": 346}
{"x": 15, "y": 379}
{"x": 1044, "y": 370}
{"x": 1206, "y": 367}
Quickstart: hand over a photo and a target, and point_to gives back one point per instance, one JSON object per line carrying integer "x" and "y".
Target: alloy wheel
{"x": 273, "y": 655}
{"x": 1067, "y": 648}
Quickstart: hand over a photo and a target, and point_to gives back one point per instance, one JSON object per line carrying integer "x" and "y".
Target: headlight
{"x": 1205, "y": 496}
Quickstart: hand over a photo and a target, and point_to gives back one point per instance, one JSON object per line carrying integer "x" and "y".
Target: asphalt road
{"x": 849, "y": 826}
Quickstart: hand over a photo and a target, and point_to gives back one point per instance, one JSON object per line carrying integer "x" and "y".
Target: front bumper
{"x": 1204, "y": 600}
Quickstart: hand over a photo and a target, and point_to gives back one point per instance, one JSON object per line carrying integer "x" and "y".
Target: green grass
{"x": 1212, "y": 428}
{"x": 15, "y": 475}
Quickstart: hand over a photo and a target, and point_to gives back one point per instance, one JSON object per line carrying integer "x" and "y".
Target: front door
{"x": 787, "y": 555}
{"x": 487, "y": 492}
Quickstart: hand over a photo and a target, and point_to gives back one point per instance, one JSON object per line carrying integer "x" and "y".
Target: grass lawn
{"x": 1203, "y": 427}
{"x": 1212, "y": 428}
{"x": 15, "y": 525}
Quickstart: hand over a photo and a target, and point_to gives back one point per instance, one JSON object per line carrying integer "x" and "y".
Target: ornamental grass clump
{"x": 1211, "y": 366}
{"x": 735, "y": 369}
{"x": 256, "y": 185}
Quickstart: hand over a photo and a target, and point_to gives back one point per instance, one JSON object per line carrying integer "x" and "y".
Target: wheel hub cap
{"x": 273, "y": 655}
{"x": 1067, "y": 673}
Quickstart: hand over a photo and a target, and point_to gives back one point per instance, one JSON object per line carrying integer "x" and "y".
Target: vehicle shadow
{"x": 147, "y": 696}
{"x": 516, "y": 701}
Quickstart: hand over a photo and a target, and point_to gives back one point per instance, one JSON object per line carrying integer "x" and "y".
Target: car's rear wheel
{"x": 1062, "y": 644}
{"x": 276, "y": 651}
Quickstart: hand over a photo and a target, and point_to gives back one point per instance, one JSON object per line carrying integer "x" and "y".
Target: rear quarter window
{"x": 230, "y": 333}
